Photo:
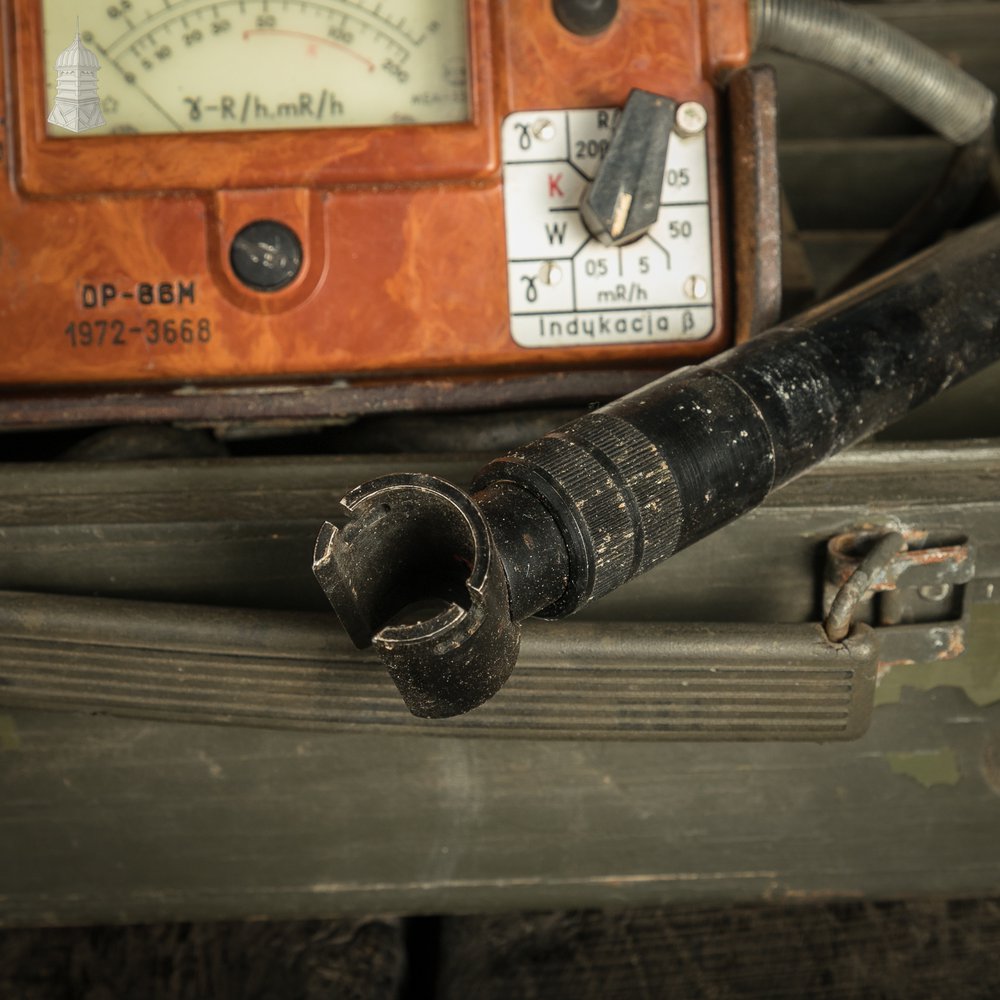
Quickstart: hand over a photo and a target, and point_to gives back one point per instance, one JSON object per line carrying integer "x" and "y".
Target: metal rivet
{"x": 691, "y": 119}
{"x": 934, "y": 591}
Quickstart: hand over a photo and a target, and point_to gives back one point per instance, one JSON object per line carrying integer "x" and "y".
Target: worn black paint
{"x": 633, "y": 167}
{"x": 730, "y": 431}
{"x": 629, "y": 484}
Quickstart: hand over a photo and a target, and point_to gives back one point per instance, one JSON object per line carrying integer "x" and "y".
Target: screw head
{"x": 550, "y": 273}
{"x": 266, "y": 255}
{"x": 691, "y": 119}
{"x": 585, "y": 17}
{"x": 695, "y": 287}
{"x": 543, "y": 130}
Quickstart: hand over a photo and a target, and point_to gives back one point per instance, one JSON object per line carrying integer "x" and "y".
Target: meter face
{"x": 170, "y": 66}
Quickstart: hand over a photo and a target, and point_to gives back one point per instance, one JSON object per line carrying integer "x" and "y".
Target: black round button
{"x": 266, "y": 255}
{"x": 585, "y": 17}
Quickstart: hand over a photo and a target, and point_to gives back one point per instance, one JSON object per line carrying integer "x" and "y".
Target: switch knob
{"x": 623, "y": 200}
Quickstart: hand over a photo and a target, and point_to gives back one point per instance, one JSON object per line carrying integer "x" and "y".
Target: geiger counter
{"x": 251, "y": 189}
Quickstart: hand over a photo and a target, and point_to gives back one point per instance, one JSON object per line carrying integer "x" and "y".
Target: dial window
{"x": 154, "y": 66}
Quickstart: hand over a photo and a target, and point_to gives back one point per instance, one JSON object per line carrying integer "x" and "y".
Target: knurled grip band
{"x": 592, "y": 494}
{"x": 648, "y": 483}
{"x": 618, "y": 489}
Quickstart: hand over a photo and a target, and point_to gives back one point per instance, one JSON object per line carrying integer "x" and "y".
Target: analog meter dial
{"x": 243, "y": 65}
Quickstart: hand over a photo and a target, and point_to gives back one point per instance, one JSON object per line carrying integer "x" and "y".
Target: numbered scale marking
{"x": 565, "y": 287}
{"x": 246, "y": 65}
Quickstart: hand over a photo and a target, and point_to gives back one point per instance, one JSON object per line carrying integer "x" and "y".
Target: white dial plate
{"x": 565, "y": 287}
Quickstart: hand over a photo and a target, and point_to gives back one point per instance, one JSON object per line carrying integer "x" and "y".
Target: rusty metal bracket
{"x": 756, "y": 203}
{"x": 911, "y": 585}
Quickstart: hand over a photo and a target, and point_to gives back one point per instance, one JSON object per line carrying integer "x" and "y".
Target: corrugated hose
{"x": 854, "y": 42}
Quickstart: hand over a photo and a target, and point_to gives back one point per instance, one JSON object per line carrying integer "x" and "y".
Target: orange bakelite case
{"x": 114, "y": 250}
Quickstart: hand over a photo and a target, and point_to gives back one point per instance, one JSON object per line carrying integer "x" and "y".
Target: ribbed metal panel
{"x": 614, "y": 680}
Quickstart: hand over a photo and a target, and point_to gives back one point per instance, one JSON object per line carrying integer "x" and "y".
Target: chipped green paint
{"x": 976, "y": 671}
{"x": 10, "y": 738}
{"x": 929, "y": 767}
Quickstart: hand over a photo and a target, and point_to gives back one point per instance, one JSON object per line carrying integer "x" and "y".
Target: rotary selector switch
{"x": 623, "y": 200}
{"x": 608, "y": 224}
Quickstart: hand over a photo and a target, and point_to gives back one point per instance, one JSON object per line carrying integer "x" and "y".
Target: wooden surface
{"x": 241, "y": 532}
{"x": 108, "y": 819}
{"x": 397, "y": 277}
{"x": 115, "y": 820}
